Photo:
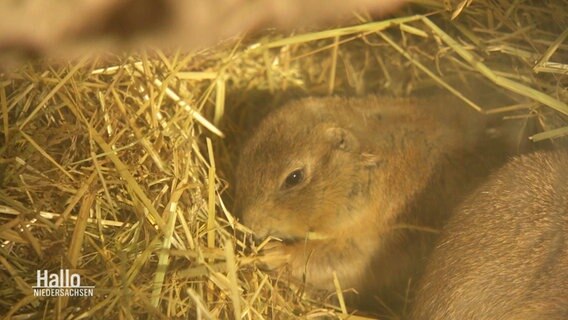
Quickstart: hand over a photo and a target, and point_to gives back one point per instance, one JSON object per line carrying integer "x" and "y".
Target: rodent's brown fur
{"x": 504, "y": 254}
{"x": 374, "y": 166}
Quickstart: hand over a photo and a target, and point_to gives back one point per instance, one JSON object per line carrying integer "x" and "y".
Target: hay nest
{"x": 111, "y": 167}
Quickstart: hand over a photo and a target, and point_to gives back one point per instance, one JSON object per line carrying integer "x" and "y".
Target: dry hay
{"x": 110, "y": 167}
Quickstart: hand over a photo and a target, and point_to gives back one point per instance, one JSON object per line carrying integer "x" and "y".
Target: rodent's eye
{"x": 294, "y": 178}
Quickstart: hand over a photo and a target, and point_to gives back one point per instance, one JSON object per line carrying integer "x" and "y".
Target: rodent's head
{"x": 301, "y": 174}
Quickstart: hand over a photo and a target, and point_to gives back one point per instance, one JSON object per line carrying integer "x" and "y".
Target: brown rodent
{"x": 504, "y": 254}
{"x": 352, "y": 185}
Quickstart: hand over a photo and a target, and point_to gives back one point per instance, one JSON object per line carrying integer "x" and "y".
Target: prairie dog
{"x": 504, "y": 254}
{"x": 349, "y": 183}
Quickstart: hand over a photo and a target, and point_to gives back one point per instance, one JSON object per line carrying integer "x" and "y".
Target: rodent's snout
{"x": 252, "y": 215}
{"x": 264, "y": 225}
{"x": 252, "y": 220}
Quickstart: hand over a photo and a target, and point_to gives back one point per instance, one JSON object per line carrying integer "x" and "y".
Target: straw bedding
{"x": 119, "y": 167}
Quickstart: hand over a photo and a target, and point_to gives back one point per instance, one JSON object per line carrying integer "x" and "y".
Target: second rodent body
{"x": 504, "y": 253}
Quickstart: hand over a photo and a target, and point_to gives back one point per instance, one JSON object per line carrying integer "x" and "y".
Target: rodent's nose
{"x": 253, "y": 220}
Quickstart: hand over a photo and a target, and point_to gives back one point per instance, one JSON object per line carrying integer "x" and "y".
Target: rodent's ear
{"x": 342, "y": 139}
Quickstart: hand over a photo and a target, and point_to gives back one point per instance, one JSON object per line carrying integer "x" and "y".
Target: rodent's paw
{"x": 275, "y": 255}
